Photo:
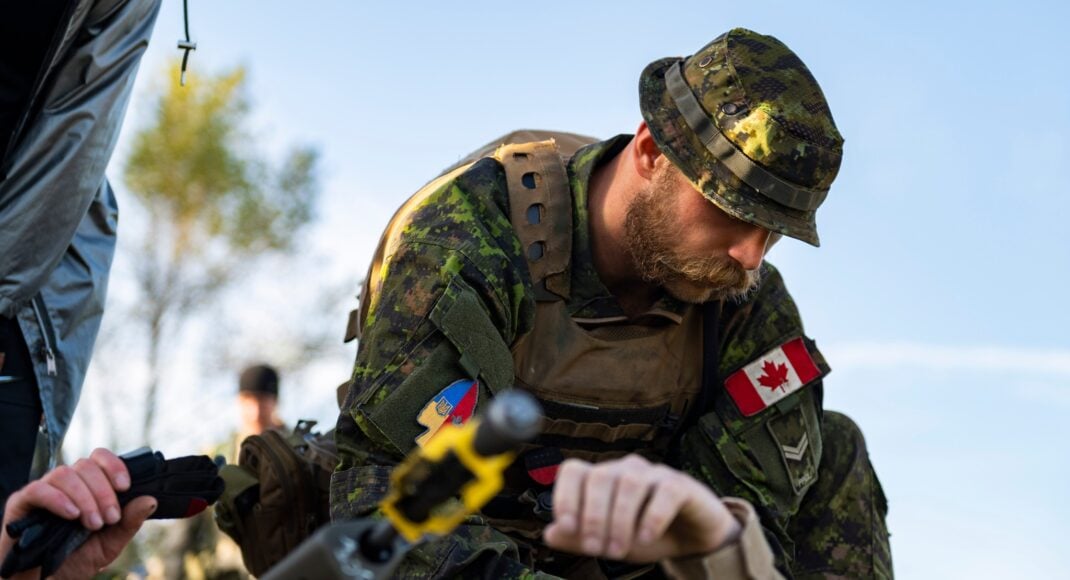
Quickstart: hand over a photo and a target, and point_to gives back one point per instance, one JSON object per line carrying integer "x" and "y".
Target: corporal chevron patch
{"x": 797, "y": 452}
{"x": 797, "y": 436}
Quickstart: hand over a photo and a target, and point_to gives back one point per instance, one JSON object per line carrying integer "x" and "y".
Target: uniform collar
{"x": 590, "y": 301}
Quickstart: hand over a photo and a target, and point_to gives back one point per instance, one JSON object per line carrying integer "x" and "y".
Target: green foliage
{"x": 214, "y": 202}
{"x": 194, "y": 168}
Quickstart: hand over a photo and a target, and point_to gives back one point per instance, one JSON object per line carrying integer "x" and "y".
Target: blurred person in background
{"x": 195, "y": 548}
{"x": 258, "y": 400}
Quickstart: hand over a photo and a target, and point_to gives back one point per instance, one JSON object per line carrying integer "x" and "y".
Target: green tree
{"x": 214, "y": 203}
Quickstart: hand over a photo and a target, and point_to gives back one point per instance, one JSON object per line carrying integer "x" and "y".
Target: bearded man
{"x": 622, "y": 283}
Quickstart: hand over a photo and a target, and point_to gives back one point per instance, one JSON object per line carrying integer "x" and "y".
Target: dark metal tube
{"x": 514, "y": 417}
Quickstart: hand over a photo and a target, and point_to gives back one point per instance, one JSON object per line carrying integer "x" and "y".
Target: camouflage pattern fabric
{"x": 844, "y": 535}
{"x": 457, "y": 250}
{"x": 764, "y": 99}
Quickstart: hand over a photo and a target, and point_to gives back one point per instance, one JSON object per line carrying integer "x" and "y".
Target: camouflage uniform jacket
{"x": 459, "y": 244}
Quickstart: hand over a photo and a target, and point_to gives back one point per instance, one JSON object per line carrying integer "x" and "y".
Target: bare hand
{"x": 86, "y": 491}
{"x": 631, "y": 509}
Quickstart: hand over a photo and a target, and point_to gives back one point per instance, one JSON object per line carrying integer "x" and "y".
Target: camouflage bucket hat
{"x": 748, "y": 125}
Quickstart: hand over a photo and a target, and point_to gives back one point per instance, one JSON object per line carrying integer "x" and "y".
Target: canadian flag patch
{"x": 771, "y": 377}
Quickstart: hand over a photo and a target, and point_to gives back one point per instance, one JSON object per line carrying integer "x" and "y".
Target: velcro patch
{"x": 453, "y": 405}
{"x": 542, "y": 464}
{"x": 771, "y": 377}
{"x": 796, "y": 450}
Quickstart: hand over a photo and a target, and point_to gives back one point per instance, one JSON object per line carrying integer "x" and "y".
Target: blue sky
{"x": 938, "y": 294}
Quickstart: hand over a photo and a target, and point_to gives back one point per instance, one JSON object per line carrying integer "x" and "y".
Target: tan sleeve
{"x": 748, "y": 558}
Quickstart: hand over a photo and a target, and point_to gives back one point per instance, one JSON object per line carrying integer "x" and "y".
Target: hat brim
{"x": 716, "y": 183}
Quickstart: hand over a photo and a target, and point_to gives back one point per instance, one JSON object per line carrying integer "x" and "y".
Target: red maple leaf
{"x": 773, "y": 375}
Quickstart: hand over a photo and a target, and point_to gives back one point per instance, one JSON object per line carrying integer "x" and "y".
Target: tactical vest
{"x": 608, "y": 386}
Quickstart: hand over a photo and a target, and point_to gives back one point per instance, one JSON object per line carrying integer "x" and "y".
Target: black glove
{"x": 182, "y": 487}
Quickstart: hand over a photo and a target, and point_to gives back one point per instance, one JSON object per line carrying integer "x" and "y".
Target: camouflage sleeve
{"x": 450, "y": 301}
{"x": 805, "y": 471}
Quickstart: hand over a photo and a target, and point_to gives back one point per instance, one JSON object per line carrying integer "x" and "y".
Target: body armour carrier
{"x": 608, "y": 386}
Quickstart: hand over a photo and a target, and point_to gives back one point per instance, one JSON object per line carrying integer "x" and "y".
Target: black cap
{"x": 259, "y": 379}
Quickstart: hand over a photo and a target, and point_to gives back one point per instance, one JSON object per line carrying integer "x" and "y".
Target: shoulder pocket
{"x": 465, "y": 322}
{"x": 483, "y": 356}
{"x": 774, "y": 455}
{"x": 797, "y": 438}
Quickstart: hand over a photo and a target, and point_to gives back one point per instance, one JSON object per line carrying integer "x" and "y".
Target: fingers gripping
{"x": 100, "y": 487}
{"x": 567, "y": 500}
{"x": 666, "y": 499}
{"x": 114, "y": 538}
{"x": 113, "y": 467}
{"x": 628, "y": 509}
{"x": 598, "y": 500}
{"x": 70, "y": 483}
{"x": 632, "y": 490}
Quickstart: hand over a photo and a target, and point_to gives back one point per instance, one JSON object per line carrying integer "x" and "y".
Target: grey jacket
{"x": 58, "y": 214}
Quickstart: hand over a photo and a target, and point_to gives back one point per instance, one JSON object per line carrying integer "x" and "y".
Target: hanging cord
{"x": 185, "y": 45}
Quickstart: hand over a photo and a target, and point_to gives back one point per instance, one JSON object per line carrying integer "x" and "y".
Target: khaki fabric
{"x": 609, "y": 367}
{"x": 590, "y": 370}
{"x": 748, "y": 558}
{"x": 540, "y": 209}
{"x": 604, "y": 364}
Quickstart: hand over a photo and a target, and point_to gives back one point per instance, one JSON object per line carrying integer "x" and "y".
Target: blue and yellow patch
{"x": 453, "y": 405}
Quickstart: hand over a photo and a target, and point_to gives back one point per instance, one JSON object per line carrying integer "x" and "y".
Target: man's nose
{"x": 750, "y": 249}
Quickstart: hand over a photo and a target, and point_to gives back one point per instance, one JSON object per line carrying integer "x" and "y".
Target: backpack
{"x": 278, "y": 493}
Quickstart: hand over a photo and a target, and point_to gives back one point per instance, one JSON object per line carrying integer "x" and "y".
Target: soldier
{"x": 194, "y": 548}
{"x": 258, "y": 403}
{"x": 625, "y": 288}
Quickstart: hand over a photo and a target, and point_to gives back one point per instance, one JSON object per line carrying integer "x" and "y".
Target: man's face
{"x": 257, "y": 408}
{"x": 682, "y": 242}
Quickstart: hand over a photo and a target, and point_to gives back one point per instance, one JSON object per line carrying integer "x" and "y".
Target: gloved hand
{"x": 182, "y": 487}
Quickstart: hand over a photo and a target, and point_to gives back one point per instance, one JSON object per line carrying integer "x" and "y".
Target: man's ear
{"x": 645, "y": 152}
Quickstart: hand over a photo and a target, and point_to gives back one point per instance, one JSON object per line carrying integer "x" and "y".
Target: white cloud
{"x": 1050, "y": 362}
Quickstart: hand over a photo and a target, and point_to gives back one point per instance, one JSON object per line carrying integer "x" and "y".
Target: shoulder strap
{"x": 711, "y": 362}
{"x": 540, "y": 209}
{"x": 544, "y": 161}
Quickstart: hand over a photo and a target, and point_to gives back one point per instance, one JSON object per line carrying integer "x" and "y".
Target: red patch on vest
{"x": 544, "y": 475}
{"x": 542, "y": 464}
